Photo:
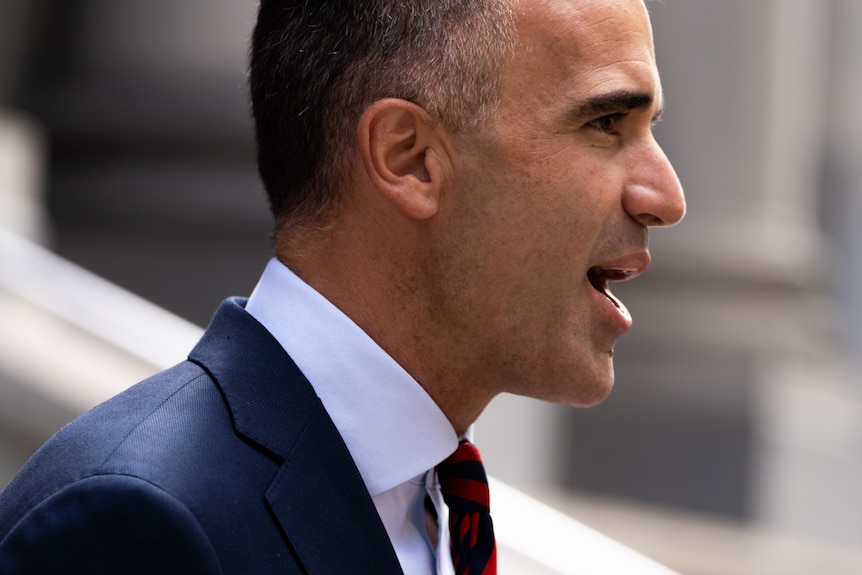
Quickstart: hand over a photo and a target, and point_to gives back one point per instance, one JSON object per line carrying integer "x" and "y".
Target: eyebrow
{"x": 614, "y": 102}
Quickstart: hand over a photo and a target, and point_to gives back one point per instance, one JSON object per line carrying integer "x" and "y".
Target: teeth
{"x": 601, "y": 276}
{"x": 613, "y": 299}
{"x": 616, "y": 275}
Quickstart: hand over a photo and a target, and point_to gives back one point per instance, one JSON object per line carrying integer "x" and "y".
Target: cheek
{"x": 573, "y": 197}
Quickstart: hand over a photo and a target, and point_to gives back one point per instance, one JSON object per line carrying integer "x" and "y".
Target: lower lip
{"x": 616, "y": 313}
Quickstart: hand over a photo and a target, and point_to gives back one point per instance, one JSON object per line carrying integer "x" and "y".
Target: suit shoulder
{"x": 83, "y": 447}
{"x": 108, "y": 524}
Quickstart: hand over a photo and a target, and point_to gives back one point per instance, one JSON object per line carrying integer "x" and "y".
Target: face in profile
{"x": 553, "y": 197}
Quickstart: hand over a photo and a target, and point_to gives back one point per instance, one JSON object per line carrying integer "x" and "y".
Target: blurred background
{"x": 733, "y": 440}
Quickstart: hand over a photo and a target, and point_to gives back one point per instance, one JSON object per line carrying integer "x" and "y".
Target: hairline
{"x": 339, "y": 154}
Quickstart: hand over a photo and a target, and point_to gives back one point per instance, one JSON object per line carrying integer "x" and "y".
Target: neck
{"x": 387, "y": 293}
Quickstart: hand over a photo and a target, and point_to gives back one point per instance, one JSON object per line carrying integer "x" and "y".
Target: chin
{"x": 579, "y": 382}
{"x": 592, "y": 401}
{"x": 590, "y": 393}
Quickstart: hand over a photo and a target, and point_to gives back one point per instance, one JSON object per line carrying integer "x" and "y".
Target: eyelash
{"x": 599, "y": 123}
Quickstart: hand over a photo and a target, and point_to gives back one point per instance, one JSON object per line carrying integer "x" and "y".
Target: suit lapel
{"x": 318, "y": 496}
{"x": 331, "y": 505}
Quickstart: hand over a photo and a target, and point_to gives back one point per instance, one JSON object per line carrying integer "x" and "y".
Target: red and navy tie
{"x": 465, "y": 490}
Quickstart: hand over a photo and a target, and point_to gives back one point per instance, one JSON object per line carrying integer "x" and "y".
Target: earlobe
{"x": 397, "y": 142}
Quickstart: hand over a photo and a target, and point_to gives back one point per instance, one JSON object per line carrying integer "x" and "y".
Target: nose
{"x": 654, "y": 195}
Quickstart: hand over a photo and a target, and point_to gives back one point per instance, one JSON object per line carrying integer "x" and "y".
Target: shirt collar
{"x": 391, "y": 426}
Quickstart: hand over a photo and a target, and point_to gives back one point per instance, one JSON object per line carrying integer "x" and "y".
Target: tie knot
{"x": 463, "y": 482}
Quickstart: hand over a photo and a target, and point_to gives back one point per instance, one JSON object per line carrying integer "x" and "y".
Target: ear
{"x": 402, "y": 152}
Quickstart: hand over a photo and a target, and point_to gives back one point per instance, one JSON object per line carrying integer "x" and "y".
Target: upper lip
{"x": 623, "y": 268}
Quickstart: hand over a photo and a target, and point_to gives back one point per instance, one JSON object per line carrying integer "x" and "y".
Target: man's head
{"x": 477, "y": 253}
{"x": 555, "y": 195}
{"x": 317, "y": 64}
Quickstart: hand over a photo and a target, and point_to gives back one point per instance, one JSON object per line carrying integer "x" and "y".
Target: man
{"x": 454, "y": 184}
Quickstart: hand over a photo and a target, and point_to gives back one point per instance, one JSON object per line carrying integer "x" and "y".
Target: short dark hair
{"x": 316, "y": 65}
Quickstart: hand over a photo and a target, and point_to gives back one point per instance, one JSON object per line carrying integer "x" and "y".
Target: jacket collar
{"x": 318, "y": 496}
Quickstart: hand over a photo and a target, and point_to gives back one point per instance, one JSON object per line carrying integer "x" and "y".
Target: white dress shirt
{"x": 393, "y": 429}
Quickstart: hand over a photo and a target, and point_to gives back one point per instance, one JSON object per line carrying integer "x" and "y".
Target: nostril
{"x": 649, "y": 220}
{"x": 651, "y": 205}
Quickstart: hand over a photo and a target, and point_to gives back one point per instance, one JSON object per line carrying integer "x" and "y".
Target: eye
{"x": 606, "y": 124}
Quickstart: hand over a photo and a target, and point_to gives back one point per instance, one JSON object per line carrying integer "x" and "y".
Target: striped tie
{"x": 465, "y": 490}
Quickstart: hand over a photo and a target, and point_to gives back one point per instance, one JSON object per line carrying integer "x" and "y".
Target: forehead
{"x": 590, "y": 44}
{"x": 591, "y": 21}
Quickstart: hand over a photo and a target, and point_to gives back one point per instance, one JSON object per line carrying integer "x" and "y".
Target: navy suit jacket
{"x": 225, "y": 463}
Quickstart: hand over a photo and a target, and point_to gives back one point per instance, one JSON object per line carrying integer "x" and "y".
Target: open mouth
{"x": 600, "y": 278}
